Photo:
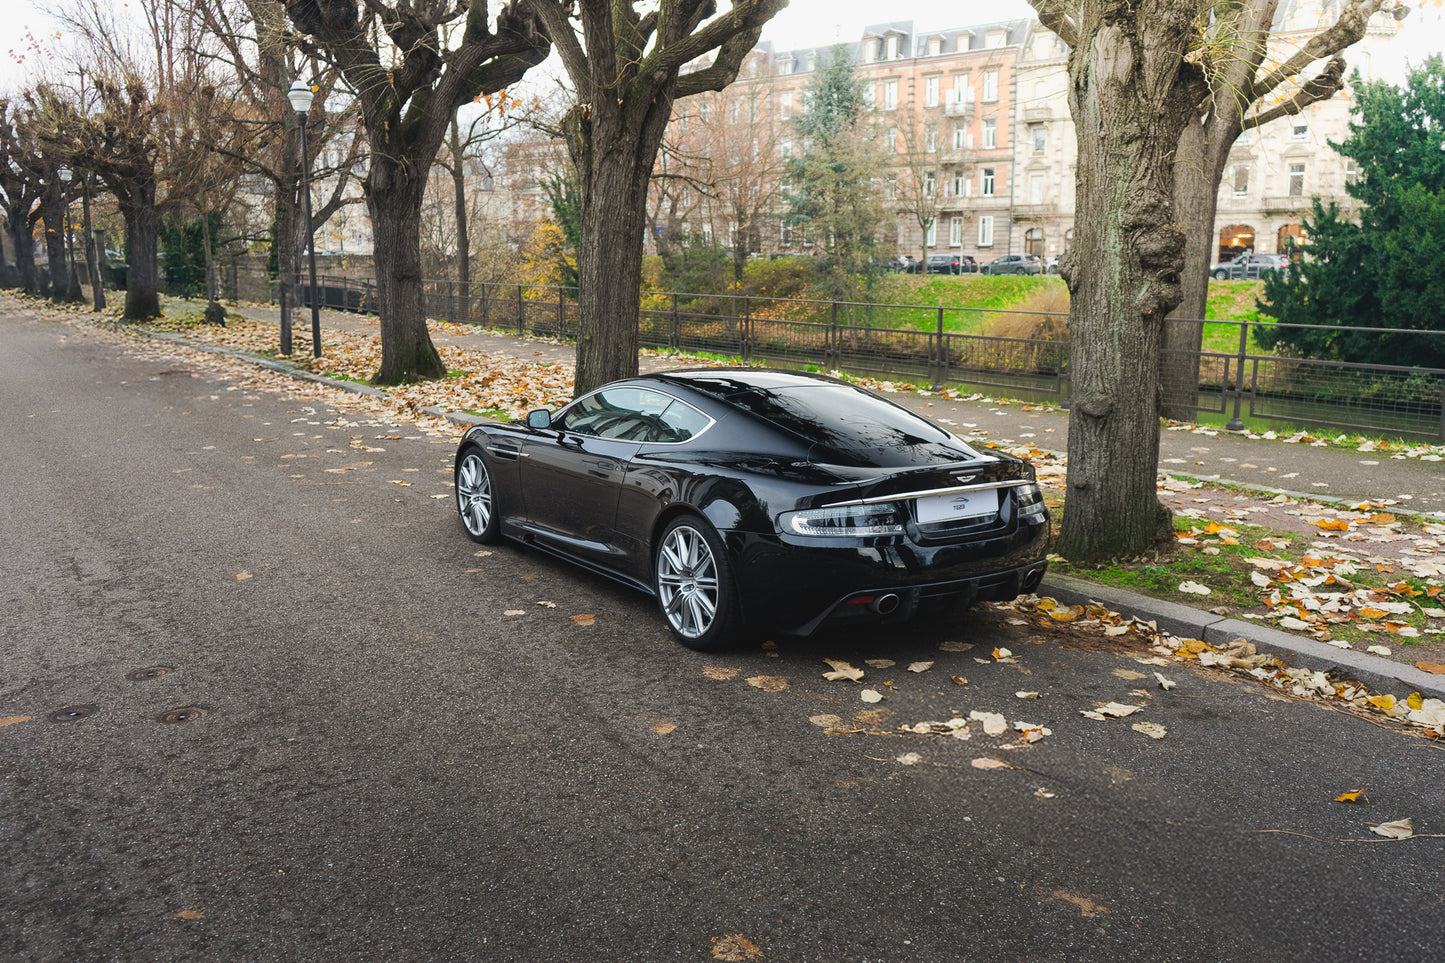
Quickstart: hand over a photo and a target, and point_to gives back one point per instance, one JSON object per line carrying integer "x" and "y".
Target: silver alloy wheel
{"x": 687, "y": 581}
{"x": 474, "y": 494}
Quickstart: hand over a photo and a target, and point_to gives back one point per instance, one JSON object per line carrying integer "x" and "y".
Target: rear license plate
{"x": 954, "y": 505}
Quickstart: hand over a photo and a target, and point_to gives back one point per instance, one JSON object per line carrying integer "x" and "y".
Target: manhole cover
{"x": 183, "y": 714}
{"x": 150, "y": 672}
{"x": 73, "y": 712}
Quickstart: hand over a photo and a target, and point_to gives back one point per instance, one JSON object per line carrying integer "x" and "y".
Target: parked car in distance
{"x": 1248, "y": 267}
{"x": 945, "y": 264}
{"x": 1014, "y": 264}
{"x": 1051, "y": 266}
{"x": 772, "y": 500}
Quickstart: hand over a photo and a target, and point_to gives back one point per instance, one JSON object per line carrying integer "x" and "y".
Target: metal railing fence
{"x": 1247, "y": 387}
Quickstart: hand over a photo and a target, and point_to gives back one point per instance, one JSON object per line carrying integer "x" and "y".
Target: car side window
{"x": 633, "y": 414}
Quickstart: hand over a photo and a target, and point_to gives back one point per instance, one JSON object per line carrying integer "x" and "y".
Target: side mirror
{"x": 541, "y": 418}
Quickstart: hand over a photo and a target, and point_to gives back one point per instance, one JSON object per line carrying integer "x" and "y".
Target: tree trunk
{"x": 1196, "y": 198}
{"x": 740, "y": 247}
{"x": 52, "y": 212}
{"x": 92, "y": 261}
{"x": 614, "y": 156}
{"x": 464, "y": 240}
{"x": 1131, "y": 93}
{"x": 142, "y": 279}
{"x": 394, "y": 198}
{"x": 23, "y": 239}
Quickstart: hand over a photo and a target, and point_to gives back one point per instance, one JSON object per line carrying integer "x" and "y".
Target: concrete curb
{"x": 1379, "y": 674}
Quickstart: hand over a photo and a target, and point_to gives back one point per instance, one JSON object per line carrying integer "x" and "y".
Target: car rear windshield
{"x": 848, "y": 426}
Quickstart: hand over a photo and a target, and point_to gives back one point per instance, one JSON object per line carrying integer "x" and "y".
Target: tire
{"x": 476, "y": 497}
{"x": 1221, "y": 275}
{"x": 695, "y": 588}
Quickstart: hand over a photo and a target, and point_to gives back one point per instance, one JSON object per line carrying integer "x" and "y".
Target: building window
{"x": 891, "y": 48}
{"x": 786, "y": 239}
{"x": 930, "y": 138}
{"x": 930, "y": 184}
{"x": 995, "y": 38}
{"x": 785, "y": 67}
{"x": 935, "y": 46}
{"x": 890, "y": 95}
{"x": 960, "y": 184}
{"x": 1241, "y": 181}
{"x": 990, "y": 86}
{"x": 987, "y": 190}
{"x": 870, "y": 49}
{"x": 1352, "y": 170}
{"x": 930, "y": 235}
{"x": 892, "y": 145}
{"x": 1039, "y": 135}
{"x": 1296, "y": 180}
{"x": 1299, "y": 129}
{"x": 930, "y": 92}
{"x": 1036, "y": 189}
{"x": 990, "y": 134}
{"x": 962, "y": 92}
{"x": 985, "y": 231}
{"x": 785, "y": 147}
{"x": 1041, "y": 93}
{"x": 955, "y": 231}
{"x": 785, "y": 105}
{"x": 960, "y": 138}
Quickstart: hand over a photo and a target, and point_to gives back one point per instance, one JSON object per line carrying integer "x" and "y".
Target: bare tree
{"x": 1134, "y": 84}
{"x": 918, "y": 176}
{"x": 1251, "y": 83}
{"x": 440, "y": 55}
{"x": 22, "y": 189}
{"x": 625, "y": 59}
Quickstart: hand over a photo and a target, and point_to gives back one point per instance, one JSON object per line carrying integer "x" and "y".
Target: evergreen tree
{"x": 833, "y": 209}
{"x": 1387, "y": 270}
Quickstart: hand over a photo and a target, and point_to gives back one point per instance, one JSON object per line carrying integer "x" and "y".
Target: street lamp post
{"x": 300, "y": 96}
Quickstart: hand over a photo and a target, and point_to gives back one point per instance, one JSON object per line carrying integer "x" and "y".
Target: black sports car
{"x": 768, "y": 499}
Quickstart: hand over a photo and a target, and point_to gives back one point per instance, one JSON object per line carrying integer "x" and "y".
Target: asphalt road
{"x": 374, "y": 762}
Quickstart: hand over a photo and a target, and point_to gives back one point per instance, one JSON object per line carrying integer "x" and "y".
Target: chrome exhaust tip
{"x": 884, "y": 604}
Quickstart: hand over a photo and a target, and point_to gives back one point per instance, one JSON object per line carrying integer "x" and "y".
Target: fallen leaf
{"x": 719, "y": 673}
{"x": 1435, "y": 668}
{"x": 768, "y": 683}
{"x": 189, "y": 915}
{"x": 1379, "y": 650}
{"x": 871, "y": 695}
{"x": 735, "y": 948}
{"x": 879, "y": 663}
{"x": 515, "y": 612}
{"x": 1043, "y": 793}
{"x": 826, "y": 721}
{"x": 1194, "y": 588}
{"x": 1028, "y": 695}
{"x": 586, "y": 619}
{"x": 1165, "y": 684}
{"x": 1353, "y": 796}
{"x": 1002, "y": 654}
{"x": 1151, "y": 729}
{"x": 663, "y": 728}
{"x": 242, "y": 576}
{"x": 954, "y": 646}
{"x": 1399, "y": 829}
{"x": 1117, "y": 710}
{"x": 1385, "y": 702}
{"x": 960, "y": 680}
{"x": 993, "y": 723}
{"x": 550, "y": 605}
{"x": 1129, "y": 674}
{"x": 987, "y": 763}
{"x": 842, "y": 670}
{"x": 919, "y": 666}
{"x": 910, "y": 759}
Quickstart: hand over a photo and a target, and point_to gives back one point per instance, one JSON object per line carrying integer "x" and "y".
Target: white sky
{"x": 804, "y": 23}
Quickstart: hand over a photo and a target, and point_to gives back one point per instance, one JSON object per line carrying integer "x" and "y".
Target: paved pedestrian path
{"x": 1317, "y": 471}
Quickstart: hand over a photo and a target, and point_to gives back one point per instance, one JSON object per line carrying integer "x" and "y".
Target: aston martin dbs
{"x": 753, "y": 499}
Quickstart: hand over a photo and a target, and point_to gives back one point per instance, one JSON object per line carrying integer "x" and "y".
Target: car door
{"x": 572, "y": 473}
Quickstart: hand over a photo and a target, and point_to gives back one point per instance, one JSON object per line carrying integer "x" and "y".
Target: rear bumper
{"x": 796, "y": 585}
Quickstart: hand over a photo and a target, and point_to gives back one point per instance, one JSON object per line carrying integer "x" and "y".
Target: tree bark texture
{"x": 22, "y": 239}
{"x": 92, "y": 261}
{"x": 394, "y": 197}
{"x": 52, "y": 213}
{"x": 1131, "y": 93}
{"x": 142, "y": 279}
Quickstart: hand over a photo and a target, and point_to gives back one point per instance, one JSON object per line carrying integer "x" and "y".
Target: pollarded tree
{"x": 1134, "y": 83}
{"x": 1253, "y": 81}
{"x": 626, "y": 67}
{"x": 1387, "y": 270}
{"x": 440, "y": 54}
